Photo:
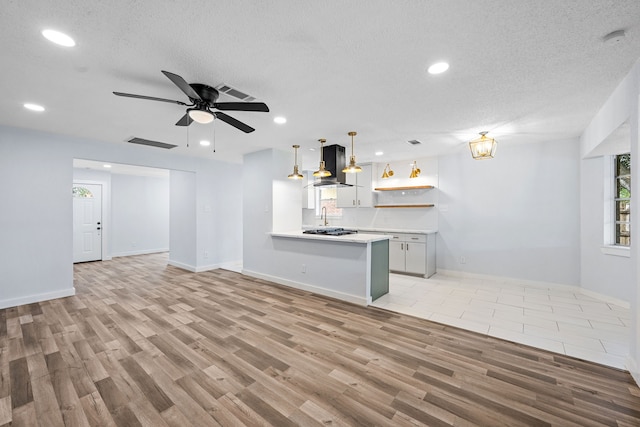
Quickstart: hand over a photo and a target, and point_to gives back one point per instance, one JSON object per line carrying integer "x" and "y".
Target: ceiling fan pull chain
{"x": 187, "y": 136}
{"x": 213, "y": 125}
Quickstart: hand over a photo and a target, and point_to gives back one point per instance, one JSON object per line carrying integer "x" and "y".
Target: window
{"x": 82, "y": 192}
{"x": 622, "y": 199}
{"x": 327, "y": 197}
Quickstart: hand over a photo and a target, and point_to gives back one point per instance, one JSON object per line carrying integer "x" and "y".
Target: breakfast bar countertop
{"x": 347, "y": 238}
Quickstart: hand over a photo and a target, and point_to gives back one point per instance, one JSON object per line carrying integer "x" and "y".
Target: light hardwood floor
{"x": 146, "y": 344}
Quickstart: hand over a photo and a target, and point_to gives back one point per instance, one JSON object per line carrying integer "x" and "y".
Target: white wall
{"x": 183, "y": 226}
{"x": 622, "y": 105}
{"x": 36, "y": 173}
{"x": 36, "y": 253}
{"x": 139, "y": 214}
{"x": 263, "y": 211}
{"x": 601, "y": 273}
{"x": 514, "y": 216}
{"x": 219, "y": 215}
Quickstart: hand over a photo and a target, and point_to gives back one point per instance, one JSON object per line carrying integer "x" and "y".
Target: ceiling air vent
{"x": 150, "y": 143}
{"x": 235, "y": 93}
{"x": 414, "y": 142}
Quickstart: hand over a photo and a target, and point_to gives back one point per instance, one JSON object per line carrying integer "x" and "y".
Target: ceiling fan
{"x": 203, "y": 99}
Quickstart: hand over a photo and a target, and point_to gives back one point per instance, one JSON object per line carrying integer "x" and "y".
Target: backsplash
{"x": 396, "y": 218}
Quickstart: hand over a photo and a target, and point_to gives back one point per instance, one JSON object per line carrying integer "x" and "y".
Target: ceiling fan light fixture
{"x": 200, "y": 115}
{"x": 483, "y": 148}
{"x": 296, "y": 174}
{"x": 352, "y": 167}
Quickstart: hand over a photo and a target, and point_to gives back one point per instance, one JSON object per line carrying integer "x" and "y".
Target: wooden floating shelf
{"x": 405, "y": 206}
{"x": 416, "y": 187}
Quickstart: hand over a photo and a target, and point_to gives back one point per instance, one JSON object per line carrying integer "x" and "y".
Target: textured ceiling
{"x": 523, "y": 70}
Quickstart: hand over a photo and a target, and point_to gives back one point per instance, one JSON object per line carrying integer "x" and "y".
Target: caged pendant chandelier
{"x": 483, "y": 147}
{"x": 322, "y": 172}
{"x": 352, "y": 167}
{"x": 295, "y": 174}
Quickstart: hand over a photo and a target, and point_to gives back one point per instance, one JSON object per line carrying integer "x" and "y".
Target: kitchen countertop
{"x": 377, "y": 230}
{"x": 346, "y": 238}
{"x": 396, "y": 230}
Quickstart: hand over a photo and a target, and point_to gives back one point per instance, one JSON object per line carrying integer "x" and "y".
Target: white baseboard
{"x": 310, "y": 288}
{"x": 202, "y": 268}
{"x": 29, "y": 299}
{"x": 632, "y": 367}
{"x": 606, "y": 298}
{"x": 230, "y": 265}
{"x": 183, "y": 266}
{"x": 139, "y": 252}
{"x": 536, "y": 284}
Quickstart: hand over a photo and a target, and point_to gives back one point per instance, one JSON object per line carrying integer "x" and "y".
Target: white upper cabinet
{"x": 361, "y": 194}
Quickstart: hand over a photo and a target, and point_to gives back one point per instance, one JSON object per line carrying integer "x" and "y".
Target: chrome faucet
{"x": 324, "y": 212}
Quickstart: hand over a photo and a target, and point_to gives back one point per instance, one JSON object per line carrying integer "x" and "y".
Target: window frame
{"x": 616, "y": 199}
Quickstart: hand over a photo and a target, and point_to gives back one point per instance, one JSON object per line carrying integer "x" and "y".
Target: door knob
{"x": 98, "y": 228}
{"x": 98, "y": 222}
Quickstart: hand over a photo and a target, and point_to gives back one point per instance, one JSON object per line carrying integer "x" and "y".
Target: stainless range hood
{"x": 334, "y": 159}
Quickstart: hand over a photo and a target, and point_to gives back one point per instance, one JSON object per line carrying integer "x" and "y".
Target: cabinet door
{"x": 396, "y": 255}
{"x": 416, "y": 258}
{"x": 346, "y": 197}
{"x": 365, "y": 190}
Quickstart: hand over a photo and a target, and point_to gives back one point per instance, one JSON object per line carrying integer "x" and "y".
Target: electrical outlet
{"x": 133, "y": 244}
{"x": 304, "y": 268}
{"x": 206, "y": 254}
{"x": 463, "y": 260}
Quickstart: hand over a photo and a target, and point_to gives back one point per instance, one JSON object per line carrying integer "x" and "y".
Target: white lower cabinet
{"x": 412, "y": 253}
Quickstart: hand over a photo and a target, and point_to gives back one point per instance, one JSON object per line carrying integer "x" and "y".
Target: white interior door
{"x": 87, "y": 222}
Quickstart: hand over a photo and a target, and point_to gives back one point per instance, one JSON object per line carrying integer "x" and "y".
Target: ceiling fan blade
{"x": 183, "y": 85}
{"x": 242, "y": 106}
{"x": 151, "y": 98}
{"x": 185, "y": 120}
{"x": 234, "y": 122}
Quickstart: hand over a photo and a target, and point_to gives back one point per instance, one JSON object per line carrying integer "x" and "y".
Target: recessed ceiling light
{"x": 205, "y": 143}
{"x": 437, "y": 68}
{"x": 379, "y": 153}
{"x": 280, "y": 120}
{"x": 106, "y": 166}
{"x": 33, "y": 107}
{"x": 312, "y": 149}
{"x": 58, "y": 38}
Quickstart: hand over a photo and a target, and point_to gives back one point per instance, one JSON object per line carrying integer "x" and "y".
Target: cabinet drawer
{"x": 411, "y": 238}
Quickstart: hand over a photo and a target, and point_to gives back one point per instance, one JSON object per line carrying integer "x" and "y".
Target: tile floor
{"x": 556, "y": 319}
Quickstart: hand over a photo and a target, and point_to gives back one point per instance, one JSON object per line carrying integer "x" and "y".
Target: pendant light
{"x": 322, "y": 172}
{"x": 352, "y": 167}
{"x": 387, "y": 173}
{"x": 295, "y": 174}
{"x": 483, "y": 147}
{"x": 415, "y": 170}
